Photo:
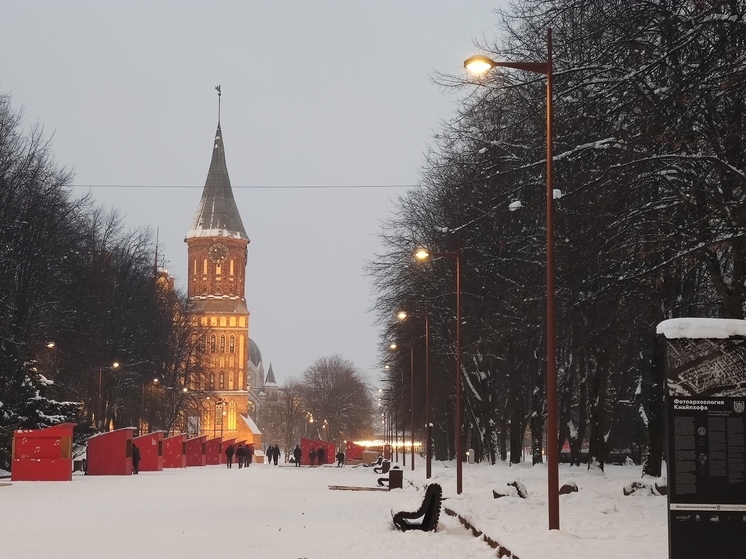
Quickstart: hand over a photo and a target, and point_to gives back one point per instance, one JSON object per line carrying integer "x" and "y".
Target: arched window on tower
{"x": 232, "y": 415}
{"x": 235, "y": 380}
{"x": 212, "y": 343}
{"x": 222, "y": 380}
{"x": 203, "y": 343}
{"x": 222, "y": 343}
{"x": 232, "y": 344}
{"x": 212, "y": 381}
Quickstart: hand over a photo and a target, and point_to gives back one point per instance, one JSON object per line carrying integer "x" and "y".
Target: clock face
{"x": 218, "y": 252}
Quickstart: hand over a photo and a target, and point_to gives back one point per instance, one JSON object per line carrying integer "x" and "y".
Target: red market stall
{"x": 214, "y": 452}
{"x": 354, "y": 451}
{"x": 43, "y": 454}
{"x": 110, "y": 453}
{"x": 151, "y": 451}
{"x": 174, "y": 451}
{"x": 330, "y": 450}
{"x": 196, "y": 451}
{"x": 307, "y": 444}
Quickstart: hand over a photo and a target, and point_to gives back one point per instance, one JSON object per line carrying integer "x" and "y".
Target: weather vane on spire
{"x": 217, "y": 88}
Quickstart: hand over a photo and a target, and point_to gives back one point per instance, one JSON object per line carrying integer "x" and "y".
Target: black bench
{"x": 395, "y": 479}
{"x": 383, "y": 468}
{"x": 429, "y": 512}
{"x": 376, "y": 463}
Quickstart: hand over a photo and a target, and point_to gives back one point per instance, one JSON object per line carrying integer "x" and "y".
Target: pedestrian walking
{"x": 320, "y": 455}
{"x": 249, "y": 455}
{"x": 276, "y": 454}
{"x": 135, "y": 459}
{"x": 340, "y": 459}
{"x": 312, "y": 455}
{"x": 297, "y": 453}
{"x": 241, "y": 455}
{"x": 229, "y": 455}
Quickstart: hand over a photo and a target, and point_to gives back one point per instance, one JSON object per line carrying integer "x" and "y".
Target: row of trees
{"x": 650, "y": 130}
{"x": 78, "y": 293}
{"x": 331, "y": 401}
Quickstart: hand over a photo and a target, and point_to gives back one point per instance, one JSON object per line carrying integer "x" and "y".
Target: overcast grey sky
{"x": 314, "y": 93}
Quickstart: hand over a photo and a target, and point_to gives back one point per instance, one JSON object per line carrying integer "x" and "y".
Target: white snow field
{"x": 287, "y": 512}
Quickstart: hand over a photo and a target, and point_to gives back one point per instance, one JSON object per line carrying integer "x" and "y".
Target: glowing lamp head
{"x": 422, "y": 254}
{"x": 402, "y": 315}
{"x": 393, "y": 346}
{"x": 115, "y": 365}
{"x": 479, "y": 64}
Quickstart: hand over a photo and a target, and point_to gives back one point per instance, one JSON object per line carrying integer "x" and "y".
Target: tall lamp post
{"x": 481, "y": 64}
{"x": 220, "y": 402}
{"x": 394, "y": 426}
{"x": 99, "y": 419}
{"x": 424, "y": 254}
{"x": 403, "y": 315}
{"x": 394, "y": 347}
{"x": 142, "y": 405}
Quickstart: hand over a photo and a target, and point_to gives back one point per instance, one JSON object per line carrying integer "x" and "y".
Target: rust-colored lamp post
{"x": 99, "y": 412}
{"x": 403, "y": 315}
{"x": 482, "y": 64}
{"x": 394, "y": 347}
{"x": 424, "y": 254}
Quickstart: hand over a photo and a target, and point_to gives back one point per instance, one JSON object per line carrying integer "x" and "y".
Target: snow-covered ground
{"x": 287, "y": 512}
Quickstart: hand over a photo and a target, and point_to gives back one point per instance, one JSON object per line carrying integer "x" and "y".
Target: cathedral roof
{"x": 217, "y": 214}
{"x": 270, "y": 380}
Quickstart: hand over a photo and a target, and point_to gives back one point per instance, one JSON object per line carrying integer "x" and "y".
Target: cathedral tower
{"x": 217, "y": 254}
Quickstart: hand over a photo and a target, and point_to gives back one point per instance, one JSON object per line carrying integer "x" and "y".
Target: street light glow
{"x": 479, "y": 64}
{"x": 393, "y": 346}
{"x": 422, "y": 254}
{"x": 115, "y": 365}
{"x": 402, "y": 315}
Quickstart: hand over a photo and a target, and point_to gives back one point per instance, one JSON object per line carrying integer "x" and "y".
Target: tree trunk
{"x": 655, "y": 410}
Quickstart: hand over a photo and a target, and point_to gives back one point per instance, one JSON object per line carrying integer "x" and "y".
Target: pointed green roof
{"x": 270, "y": 380}
{"x": 217, "y": 214}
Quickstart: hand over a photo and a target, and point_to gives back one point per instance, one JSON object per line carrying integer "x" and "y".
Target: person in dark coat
{"x": 275, "y": 454}
{"x": 320, "y": 455}
{"x": 135, "y": 459}
{"x": 340, "y": 459}
{"x": 249, "y": 455}
{"x": 229, "y": 455}
{"x": 241, "y": 455}
{"x": 312, "y": 455}
{"x": 297, "y": 453}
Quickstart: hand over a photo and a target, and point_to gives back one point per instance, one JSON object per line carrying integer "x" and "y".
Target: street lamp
{"x": 142, "y": 405}
{"x": 403, "y": 315}
{"x": 219, "y": 402}
{"x": 424, "y": 254}
{"x": 481, "y": 64}
{"x": 394, "y": 347}
{"x": 114, "y": 365}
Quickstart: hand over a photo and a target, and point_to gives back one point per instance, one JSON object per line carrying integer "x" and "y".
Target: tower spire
{"x": 217, "y": 88}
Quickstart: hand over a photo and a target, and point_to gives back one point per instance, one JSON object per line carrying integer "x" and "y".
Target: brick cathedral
{"x": 217, "y": 256}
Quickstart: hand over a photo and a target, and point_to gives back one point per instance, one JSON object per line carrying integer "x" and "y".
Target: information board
{"x": 706, "y": 454}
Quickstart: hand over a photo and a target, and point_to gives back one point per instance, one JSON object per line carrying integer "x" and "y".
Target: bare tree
{"x": 336, "y": 393}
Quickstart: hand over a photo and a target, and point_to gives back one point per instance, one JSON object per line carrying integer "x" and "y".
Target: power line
{"x": 250, "y": 186}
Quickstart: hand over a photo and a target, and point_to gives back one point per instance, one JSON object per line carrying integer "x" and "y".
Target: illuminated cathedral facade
{"x": 217, "y": 246}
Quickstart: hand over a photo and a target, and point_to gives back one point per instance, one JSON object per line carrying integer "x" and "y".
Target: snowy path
{"x": 259, "y": 512}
